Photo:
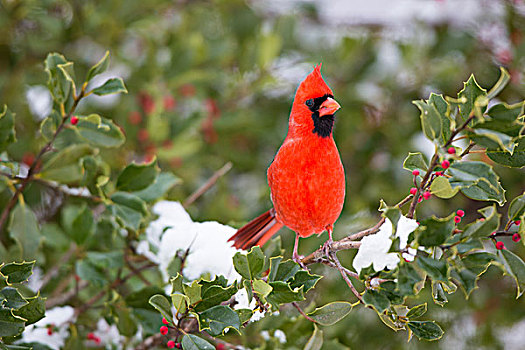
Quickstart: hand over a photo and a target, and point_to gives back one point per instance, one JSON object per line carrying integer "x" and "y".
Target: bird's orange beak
{"x": 330, "y": 106}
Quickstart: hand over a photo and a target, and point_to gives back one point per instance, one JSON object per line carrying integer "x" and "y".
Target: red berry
{"x": 460, "y": 213}
{"x": 445, "y": 164}
{"x": 415, "y": 172}
{"x": 482, "y": 219}
{"x": 91, "y": 336}
{"x": 500, "y": 245}
{"x": 28, "y": 158}
{"x": 74, "y": 120}
{"x": 420, "y": 199}
{"x": 164, "y": 330}
{"x": 439, "y": 173}
{"x": 134, "y": 118}
{"x": 146, "y": 102}
{"x": 220, "y": 346}
{"x": 169, "y": 102}
{"x": 50, "y": 330}
{"x": 178, "y": 346}
{"x": 170, "y": 344}
{"x": 413, "y": 190}
{"x": 97, "y": 340}
{"x": 427, "y": 194}
{"x": 143, "y": 135}
{"x": 516, "y": 237}
{"x": 457, "y": 219}
{"x": 165, "y": 321}
{"x": 451, "y": 150}
{"x": 517, "y": 222}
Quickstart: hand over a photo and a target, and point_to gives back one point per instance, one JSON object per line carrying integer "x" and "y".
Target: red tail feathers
{"x": 256, "y": 232}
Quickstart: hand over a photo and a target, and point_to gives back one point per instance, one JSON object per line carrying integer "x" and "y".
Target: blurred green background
{"x": 212, "y": 82}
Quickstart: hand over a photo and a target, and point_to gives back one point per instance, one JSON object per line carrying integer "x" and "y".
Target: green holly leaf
{"x": 25, "y": 231}
{"x": 83, "y": 225}
{"x": 129, "y": 209}
{"x": 417, "y": 311}
{"x": 503, "y": 80}
{"x": 331, "y": 313}
{"x": 407, "y": 279}
{"x": 282, "y": 294}
{"x": 161, "y": 303}
{"x": 425, "y": 330}
{"x": 88, "y": 271}
{"x": 192, "y": 342}
{"x": 218, "y": 319}
{"x": 517, "y": 207}
{"x": 431, "y": 121}
{"x": 65, "y": 165}
{"x": 441, "y": 188}
{"x": 180, "y": 302}
{"x": 59, "y": 84}
{"x": 515, "y": 267}
{"x": 12, "y": 298}
{"x": 262, "y": 288}
{"x": 98, "y": 68}
{"x": 99, "y": 131}
{"x": 305, "y": 279}
{"x": 10, "y": 325}
{"x": 111, "y": 86}
{"x": 435, "y": 231}
{"x": 136, "y": 177}
{"x": 316, "y": 340}
{"x": 477, "y": 180}
{"x": 473, "y": 96}
{"x": 193, "y": 291}
{"x": 7, "y": 128}
{"x": 415, "y": 161}
{"x": 282, "y": 270}
{"x": 249, "y": 265}
{"x": 483, "y": 227}
{"x": 17, "y": 272}
{"x": 158, "y": 189}
{"x": 503, "y": 112}
{"x": 436, "y": 269}
{"x": 516, "y": 159}
{"x": 443, "y": 109}
{"x": 438, "y": 294}
{"x": 214, "y": 295}
{"x": 376, "y": 299}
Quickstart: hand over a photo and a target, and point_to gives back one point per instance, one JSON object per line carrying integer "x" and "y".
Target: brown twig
{"x": 207, "y": 185}
{"x": 302, "y": 312}
{"x": 54, "y": 270}
{"x": 345, "y": 277}
{"x": 433, "y": 164}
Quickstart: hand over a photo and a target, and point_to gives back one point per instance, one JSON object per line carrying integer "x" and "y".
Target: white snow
{"x": 374, "y": 248}
{"x": 109, "y": 335}
{"x": 241, "y": 297}
{"x": 39, "y": 101}
{"x": 209, "y": 251}
{"x": 58, "y": 317}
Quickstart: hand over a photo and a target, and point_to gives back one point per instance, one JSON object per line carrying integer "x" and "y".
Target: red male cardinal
{"x": 306, "y": 178}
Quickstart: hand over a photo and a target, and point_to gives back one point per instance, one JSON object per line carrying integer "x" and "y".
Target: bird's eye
{"x": 310, "y": 103}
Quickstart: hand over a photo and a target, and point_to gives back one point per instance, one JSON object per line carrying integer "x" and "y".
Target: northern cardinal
{"x": 306, "y": 177}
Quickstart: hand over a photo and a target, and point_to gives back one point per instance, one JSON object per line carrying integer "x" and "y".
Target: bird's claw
{"x": 298, "y": 259}
{"x": 327, "y": 247}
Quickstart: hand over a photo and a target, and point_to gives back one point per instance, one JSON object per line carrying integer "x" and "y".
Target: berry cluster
{"x": 164, "y": 331}
{"x": 516, "y": 237}
{"x": 93, "y": 337}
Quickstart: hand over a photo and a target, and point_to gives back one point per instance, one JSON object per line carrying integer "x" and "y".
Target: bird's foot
{"x": 298, "y": 259}
{"x": 327, "y": 247}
